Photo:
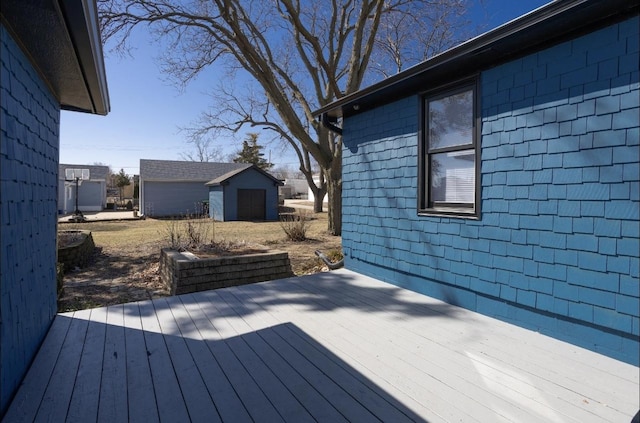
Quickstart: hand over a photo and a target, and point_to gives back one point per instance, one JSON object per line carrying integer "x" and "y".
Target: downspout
{"x": 141, "y": 208}
{"x": 330, "y": 265}
{"x": 330, "y": 123}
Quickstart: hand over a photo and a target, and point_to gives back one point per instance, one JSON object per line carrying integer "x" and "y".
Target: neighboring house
{"x": 503, "y": 175}
{"x": 177, "y": 188}
{"x": 247, "y": 193}
{"x": 50, "y": 59}
{"x": 311, "y": 196}
{"x": 92, "y": 193}
{"x": 294, "y": 188}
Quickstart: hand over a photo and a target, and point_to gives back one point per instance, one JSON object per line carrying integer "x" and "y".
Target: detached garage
{"x": 177, "y": 188}
{"x": 92, "y": 193}
{"x": 244, "y": 194}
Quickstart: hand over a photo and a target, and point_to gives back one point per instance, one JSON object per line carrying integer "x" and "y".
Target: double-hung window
{"x": 449, "y": 162}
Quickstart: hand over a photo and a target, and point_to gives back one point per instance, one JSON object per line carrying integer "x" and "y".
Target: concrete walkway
{"x": 105, "y": 215}
{"x": 302, "y": 204}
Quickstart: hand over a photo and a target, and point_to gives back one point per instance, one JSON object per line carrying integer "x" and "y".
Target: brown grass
{"x": 127, "y": 252}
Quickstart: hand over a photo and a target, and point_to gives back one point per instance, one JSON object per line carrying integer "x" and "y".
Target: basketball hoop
{"x": 77, "y": 176}
{"x": 73, "y": 174}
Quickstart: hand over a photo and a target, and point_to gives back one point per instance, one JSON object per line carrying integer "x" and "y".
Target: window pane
{"x": 451, "y": 120}
{"x": 453, "y": 177}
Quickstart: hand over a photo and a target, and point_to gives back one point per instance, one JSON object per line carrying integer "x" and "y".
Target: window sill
{"x": 450, "y": 212}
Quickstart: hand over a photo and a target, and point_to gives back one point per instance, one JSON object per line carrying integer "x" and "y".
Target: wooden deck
{"x": 329, "y": 347}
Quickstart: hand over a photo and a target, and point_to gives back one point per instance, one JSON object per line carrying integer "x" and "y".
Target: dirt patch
{"x": 226, "y": 249}
{"x": 124, "y": 266}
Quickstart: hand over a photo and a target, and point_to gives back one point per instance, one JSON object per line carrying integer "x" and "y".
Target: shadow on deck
{"x": 329, "y": 347}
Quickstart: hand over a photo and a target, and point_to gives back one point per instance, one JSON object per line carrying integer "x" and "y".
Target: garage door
{"x": 252, "y": 204}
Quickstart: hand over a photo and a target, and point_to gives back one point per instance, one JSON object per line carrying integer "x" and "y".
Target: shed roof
{"x": 229, "y": 175}
{"x": 550, "y": 24}
{"x": 176, "y": 170}
{"x": 95, "y": 171}
{"x": 62, "y": 39}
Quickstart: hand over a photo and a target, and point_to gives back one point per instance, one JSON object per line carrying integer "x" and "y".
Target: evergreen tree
{"x": 251, "y": 153}
{"x": 122, "y": 180}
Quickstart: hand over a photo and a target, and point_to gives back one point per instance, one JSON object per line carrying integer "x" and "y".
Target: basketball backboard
{"x": 72, "y": 174}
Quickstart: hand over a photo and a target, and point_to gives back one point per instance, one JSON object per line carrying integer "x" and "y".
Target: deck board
{"x": 57, "y": 396}
{"x": 229, "y": 405}
{"x": 531, "y": 360}
{"x": 253, "y": 398}
{"x": 321, "y": 326}
{"x": 436, "y": 400}
{"x": 196, "y": 397}
{"x": 329, "y": 347}
{"x": 27, "y": 400}
{"x": 141, "y": 400}
{"x": 408, "y": 358}
{"x": 278, "y": 394}
{"x": 171, "y": 405}
{"x": 86, "y": 391}
{"x": 113, "y": 404}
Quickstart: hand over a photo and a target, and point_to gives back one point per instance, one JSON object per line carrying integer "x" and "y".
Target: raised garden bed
{"x": 185, "y": 272}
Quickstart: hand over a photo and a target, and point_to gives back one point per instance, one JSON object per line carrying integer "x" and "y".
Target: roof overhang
{"x": 550, "y": 24}
{"x": 62, "y": 40}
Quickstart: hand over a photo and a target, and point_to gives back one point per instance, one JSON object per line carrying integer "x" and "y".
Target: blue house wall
{"x": 174, "y": 198}
{"x": 556, "y": 247}
{"x": 29, "y": 142}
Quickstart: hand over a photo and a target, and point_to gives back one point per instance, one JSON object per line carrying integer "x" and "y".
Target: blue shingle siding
{"x": 179, "y": 198}
{"x": 29, "y": 118}
{"x": 556, "y": 247}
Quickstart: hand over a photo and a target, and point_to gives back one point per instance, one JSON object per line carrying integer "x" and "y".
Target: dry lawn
{"x": 124, "y": 267}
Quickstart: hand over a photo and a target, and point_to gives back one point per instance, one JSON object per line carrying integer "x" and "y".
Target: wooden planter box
{"x": 183, "y": 272}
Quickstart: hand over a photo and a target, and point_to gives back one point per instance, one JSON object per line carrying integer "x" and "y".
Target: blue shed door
{"x": 252, "y": 204}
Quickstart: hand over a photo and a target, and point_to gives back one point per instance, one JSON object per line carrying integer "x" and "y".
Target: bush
{"x": 192, "y": 232}
{"x": 129, "y": 205}
{"x": 173, "y": 235}
{"x": 295, "y": 226}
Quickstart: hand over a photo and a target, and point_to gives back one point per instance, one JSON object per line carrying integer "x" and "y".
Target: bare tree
{"x": 300, "y": 55}
{"x": 203, "y": 150}
{"x": 109, "y": 171}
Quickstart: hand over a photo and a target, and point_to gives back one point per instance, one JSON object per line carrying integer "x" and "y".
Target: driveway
{"x": 104, "y": 215}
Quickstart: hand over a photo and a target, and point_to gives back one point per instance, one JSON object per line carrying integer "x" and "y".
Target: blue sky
{"x": 147, "y": 111}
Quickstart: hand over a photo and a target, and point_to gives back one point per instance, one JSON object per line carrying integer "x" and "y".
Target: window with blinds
{"x": 449, "y": 152}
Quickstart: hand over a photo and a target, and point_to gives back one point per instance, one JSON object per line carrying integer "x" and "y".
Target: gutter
{"x": 545, "y": 26}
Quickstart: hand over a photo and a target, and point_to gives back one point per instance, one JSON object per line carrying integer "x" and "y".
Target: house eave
{"x": 62, "y": 41}
{"x": 547, "y": 25}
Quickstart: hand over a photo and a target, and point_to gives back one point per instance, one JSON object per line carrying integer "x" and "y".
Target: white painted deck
{"x": 328, "y": 347}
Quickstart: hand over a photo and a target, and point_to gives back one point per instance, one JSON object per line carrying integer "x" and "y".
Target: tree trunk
{"x": 318, "y": 196}
{"x": 334, "y": 189}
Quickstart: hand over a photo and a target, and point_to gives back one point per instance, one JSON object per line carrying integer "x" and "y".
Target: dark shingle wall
{"x": 29, "y": 140}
